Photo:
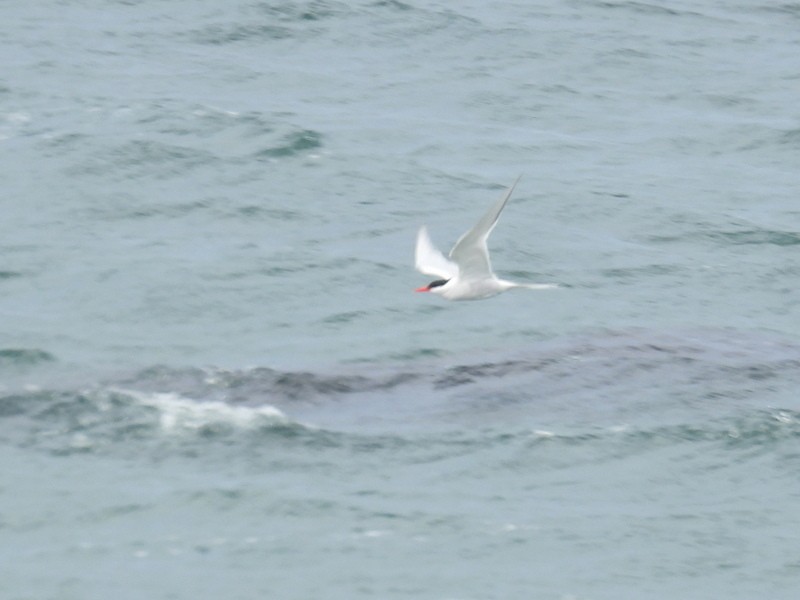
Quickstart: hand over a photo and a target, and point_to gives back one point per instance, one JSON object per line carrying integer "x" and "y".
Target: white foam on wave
{"x": 178, "y": 413}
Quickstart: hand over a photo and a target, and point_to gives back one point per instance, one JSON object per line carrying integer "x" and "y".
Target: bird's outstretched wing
{"x": 470, "y": 252}
{"x": 430, "y": 261}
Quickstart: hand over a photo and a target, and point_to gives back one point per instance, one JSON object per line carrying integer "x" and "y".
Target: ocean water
{"x": 216, "y": 382}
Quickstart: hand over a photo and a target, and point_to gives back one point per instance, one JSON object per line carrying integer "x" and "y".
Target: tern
{"x": 467, "y": 274}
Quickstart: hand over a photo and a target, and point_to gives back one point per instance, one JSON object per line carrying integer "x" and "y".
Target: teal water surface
{"x": 215, "y": 380}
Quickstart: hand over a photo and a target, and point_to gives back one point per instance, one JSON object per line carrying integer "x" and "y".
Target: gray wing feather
{"x": 471, "y": 252}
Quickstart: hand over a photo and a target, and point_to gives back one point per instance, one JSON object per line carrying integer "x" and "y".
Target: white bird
{"x": 467, "y": 274}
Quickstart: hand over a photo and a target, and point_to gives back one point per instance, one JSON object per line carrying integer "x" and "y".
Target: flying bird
{"x": 467, "y": 274}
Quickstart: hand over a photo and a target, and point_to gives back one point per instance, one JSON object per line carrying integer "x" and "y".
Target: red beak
{"x": 423, "y": 289}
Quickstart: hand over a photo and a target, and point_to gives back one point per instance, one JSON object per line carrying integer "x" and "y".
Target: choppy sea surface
{"x": 216, "y": 382}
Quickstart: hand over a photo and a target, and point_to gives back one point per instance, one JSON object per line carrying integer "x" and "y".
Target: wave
{"x": 281, "y": 21}
{"x": 717, "y": 386}
{"x": 104, "y": 418}
{"x": 16, "y": 357}
{"x": 154, "y": 426}
{"x": 176, "y": 413}
{"x": 737, "y": 233}
{"x": 139, "y": 158}
{"x": 293, "y": 144}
